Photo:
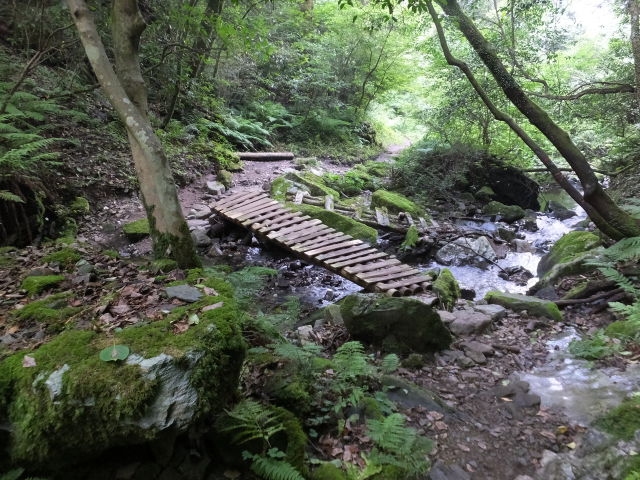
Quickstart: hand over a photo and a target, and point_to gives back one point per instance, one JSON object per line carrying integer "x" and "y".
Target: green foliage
{"x": 51, "y": 310}
{"x": 411, "y": 238}
{"x": 10, "y": 197}
{"x": 595, "y": 348}
{"x": 271, "y": 467}
{"x": 390, "y": 363}
{"x": 622, "y": 421}
{"x": 398, "y": 446}
{"x": 36, "y": 284}
{"x": 65, "y": 256}
{"x": 351, "y": 362}
{"x": 248, "y": 282}
{"x": 447, "y": 289}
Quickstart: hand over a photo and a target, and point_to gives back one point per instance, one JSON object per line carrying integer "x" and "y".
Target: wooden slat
{"x": 372, "y": 266}
{"x": 336, "y": 246}
{"x": 355, "y": 258}
{"x": 269, "y": 207}
{"x": 325, "y": 243}
{"x": 317, "y": 230}
{"x": 285, "y": 223}
{"x": 337, "y": 253}
{"x": 253, "y": 196}
{"x": 418, "y": 279}
{"x": 310, "y": 239}
{"x": 274, "y": 219}
{"x": 409, "y": 272}
{"x": 294, "y": 228}
{"x": 386, "y": 270}
{"x": 234, "y": 198}
{"x": 252, "y": 205}
{"x": 266, "y": 216}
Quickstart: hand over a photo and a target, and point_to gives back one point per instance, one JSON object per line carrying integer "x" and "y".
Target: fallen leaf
{"x": 194, "y": 319}
{"x": 571, "y": 445}
{"x": 210, "y": 291}
{"x": 120, "y": 309}
{"x": 231, "y": 474}
{"x": 441, "y": 426}
{"x": 562, "y": 430}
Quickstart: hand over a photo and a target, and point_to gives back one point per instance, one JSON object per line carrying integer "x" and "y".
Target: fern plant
{"x": 398, "y": 445}
{"x": 251, "y": 421}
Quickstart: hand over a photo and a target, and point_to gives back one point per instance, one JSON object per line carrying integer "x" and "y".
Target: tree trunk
{"x": 204, "y": 42}
{"x": 127, "y": 94}
{"x": 634, "y": 19}
{"x": 619, "y": 223}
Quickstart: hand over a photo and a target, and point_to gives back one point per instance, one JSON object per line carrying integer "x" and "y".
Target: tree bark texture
{"x": 614, "y": 221}
{"x": 634, "y": 18}
{"x": 128, "y": 95}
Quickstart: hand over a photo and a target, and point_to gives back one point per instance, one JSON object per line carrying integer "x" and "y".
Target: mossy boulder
{"x": 37, "y": 284}
{"x": 225, "y": 177}
{"x": 518, "y": 303}
{"x": 447, "y": 288}
{"x": 568, "y": 248}
{"x": 328, "y": 471}
{"x": 137, "y": 230}
{"x": 313, "y": 183}
{"x": 398, "y": 324}
{"x": 66, "y": 256}
{"x": 79, "y": 206}
{"x": 71, "y": 405}
{"x": 340, "y": 222}
{"x": 279, "y": 188}
{"x": 508, "y": 213}
{"x": 52, "y": 310}
{"x": 411, "y": 237}
{"x": 485, "y": 194}
{"x": 394, "y": 202}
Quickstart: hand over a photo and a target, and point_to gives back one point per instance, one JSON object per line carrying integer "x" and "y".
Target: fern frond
{"x": 623, "y": 282}
{"x": 251, "y": 420}
{"x": 272, "y": 469}
{"x": 351, "y": 361}
{"x": 390, "y": 434}
{"x": 390, "y": 363}
{"x": 10, "y": 197}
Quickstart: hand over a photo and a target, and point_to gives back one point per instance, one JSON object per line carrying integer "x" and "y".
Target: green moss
{"x": 163, "y": 265}
{"x": 509, "y": 213}
{"x": 394, "y": 202}
{"x": 340, "y": 222}
{"x": 65, "y": 256}
{"x": 371, "y": 408}
{"x": 623, "y": 330}
{"x": 111, "y": 253}
{"x": 137, "y": 230}
{"x": 377, "y": 169}
{"x": 79, "y": 206}
{"x": 518, "y": 303}
{"x": 411, "y": 238}
{"x": 485, "y": 194}
{"x": 577, "y": 291}
{"x": 328, "y": 471}
{"x": 279, "y": 188}
{"x": 179, "y": 247}
{"x": 623, "y": 421}
{"x": 296, "y": 439}
{"x": 314, "y": 183}
{"x": 35, "y": 285}
{"x": 225, "y": 177}
{"x": 447, "y": 288}
{"x": 571, "y": 246}
{"x": 51, "y": 310}
{"x": 96, "y": 396}
{"x": 414, "y": 360}
{"x": 7, "y": 256}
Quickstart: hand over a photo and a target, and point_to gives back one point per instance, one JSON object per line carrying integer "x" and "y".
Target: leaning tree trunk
{"x": 128, "y": 95}
{"x": 617, "y": 223}
{"x": 634, "y": 37}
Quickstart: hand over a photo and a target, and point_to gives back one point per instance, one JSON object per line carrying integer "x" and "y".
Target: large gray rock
{"x": 176, "y": 401}
{"x": 469, "y": 322}
{"x": 477, "y": 252}
{"x": 200, "y": 238}
{"x": 216, "y": 188}
{"x": 186, "y": 293}
{"x": 397, "y": 324}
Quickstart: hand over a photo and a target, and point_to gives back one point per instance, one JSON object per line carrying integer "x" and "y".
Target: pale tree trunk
{"x": 613, "y": 220}
{"x": 128, "y": 95}
{"x": 634, "y": 18}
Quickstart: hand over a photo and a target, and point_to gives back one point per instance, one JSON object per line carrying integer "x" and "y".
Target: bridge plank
{"x": 315, "y": 231}
{"x": 405, "y": 282}
{"x": 266, "y": 216}
{"x": 307, "y": 240}
{"x": 333, "y": 247}
{"x": 393, "y": 276}
{"x": 270, "y": 207}
{"x": 325, "y": 243}
{"x": 235, "y": 198}
{"x": 355, "y": 258}
{"x": 337, "y": 253}
{"x": 387, "y": 270}
{"x": 293, "y": 228}
{"x": 284, "y": 222}
{"x": 250, "y": 197}
{"x": 372, "y": 266}
{"x": 249, "y": 207}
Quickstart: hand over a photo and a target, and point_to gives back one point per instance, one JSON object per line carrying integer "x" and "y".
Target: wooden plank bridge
{"x": 310, "y": 239}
